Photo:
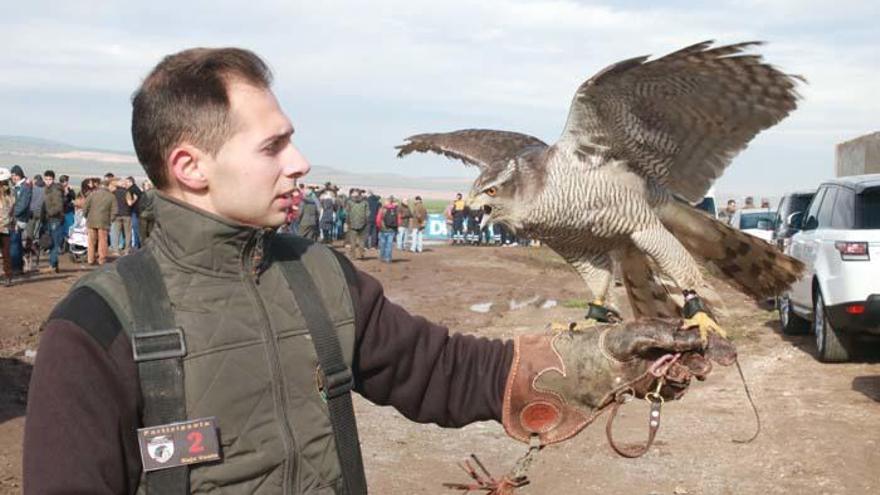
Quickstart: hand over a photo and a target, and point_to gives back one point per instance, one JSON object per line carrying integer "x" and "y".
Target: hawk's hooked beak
{"x": 487, "y": 216}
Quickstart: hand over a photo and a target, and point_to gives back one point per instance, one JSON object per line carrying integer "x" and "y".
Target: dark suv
{"x": 791, "y": 203}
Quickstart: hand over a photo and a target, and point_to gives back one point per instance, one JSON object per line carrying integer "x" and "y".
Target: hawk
{"x": 644, "y": 139}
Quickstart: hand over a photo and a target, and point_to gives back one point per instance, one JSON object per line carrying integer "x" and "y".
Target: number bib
{"x": 178, "y": 444}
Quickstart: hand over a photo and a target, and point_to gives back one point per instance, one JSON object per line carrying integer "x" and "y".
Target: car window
{"x": 868, "y": 209}
{"x": 798, "y": 203}
{"x": 827, "y": 207}
{"x": 811, "y": 219}
{"x": 843, "y": 216}
{"x": 761, "y": 220}
{"x": 707, "y": 205}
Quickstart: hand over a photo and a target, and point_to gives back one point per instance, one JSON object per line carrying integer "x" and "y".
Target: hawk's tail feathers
{"x": 750, "y": 263}
{"x": 651, "y": 295}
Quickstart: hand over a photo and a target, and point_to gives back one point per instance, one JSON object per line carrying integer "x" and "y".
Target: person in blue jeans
{"x": 69, "y": 208}
{"x": 387, "y": 220}
{"x": 21, "y": 213}
{"x": 52, "y": 211}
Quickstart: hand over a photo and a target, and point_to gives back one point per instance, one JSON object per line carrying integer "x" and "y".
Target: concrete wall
{"x": 858, "y": 156}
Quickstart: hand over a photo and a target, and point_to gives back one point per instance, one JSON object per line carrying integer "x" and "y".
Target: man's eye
{"x": 277, "y": 146}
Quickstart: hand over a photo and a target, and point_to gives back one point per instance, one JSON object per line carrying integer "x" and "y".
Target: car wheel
{"x": 792, "y": 324}
{"x": 829, "y": 341}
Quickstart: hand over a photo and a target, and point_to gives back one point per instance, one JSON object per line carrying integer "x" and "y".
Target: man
{"x": 21, "y": 214}
{"x": 403, "y": 226}
{"x": 374, "y": 202}
{"x": 146, "y": 216}
{"x": 387, "y": 220}
{"x": 459, "y": 217}
{"x": 417, "y": 225}
{"x": 227, "y": 322}
{"x": 328, "y": 213}
{"x": 726, "y": 215}
{"x": 133, "y": 199}
{"x": 100, "y": 208}
{"x": 309, "y": 215}
{"x": 69, "y": 207}
{"x": 357, "y": 214}
{"x": 53, "y": 212}
{"x": 122, "y": 218}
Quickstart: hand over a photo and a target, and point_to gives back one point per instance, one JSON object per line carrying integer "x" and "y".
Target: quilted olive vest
{"x": 250, "y": 360}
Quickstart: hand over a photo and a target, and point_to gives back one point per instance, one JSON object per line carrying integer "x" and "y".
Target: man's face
{"x": 49, "y": 180}
{"x": 16, "y": 178}
{"x": 253, "y": 175}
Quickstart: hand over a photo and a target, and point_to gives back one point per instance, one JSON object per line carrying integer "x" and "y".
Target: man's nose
{"x": 297, "y": 165}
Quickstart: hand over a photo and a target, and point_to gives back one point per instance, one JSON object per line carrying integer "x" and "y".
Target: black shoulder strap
{"x": 158, "y": 347}
{"x": 338, "y": 379}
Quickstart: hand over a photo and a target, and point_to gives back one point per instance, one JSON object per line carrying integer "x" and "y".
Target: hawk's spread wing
{"x": 478, "y": 147}
{"x": 679, "y": 119}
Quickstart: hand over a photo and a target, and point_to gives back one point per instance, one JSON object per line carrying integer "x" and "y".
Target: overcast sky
{"x": 356, "y": 77}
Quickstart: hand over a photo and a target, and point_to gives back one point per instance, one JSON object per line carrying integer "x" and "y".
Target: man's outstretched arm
{"x": 426, "y": 373}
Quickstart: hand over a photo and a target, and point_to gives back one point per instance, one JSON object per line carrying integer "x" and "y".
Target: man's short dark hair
{"x": 64, "y": 179}
{"x": 185, "y": 97}
{"x": 49, "y": 173}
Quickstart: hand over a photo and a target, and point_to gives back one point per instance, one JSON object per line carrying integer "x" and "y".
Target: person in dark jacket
{"x": 309, "y": 215}
{"x": 21, "y": 214}
{"x": 234, "y": 307}
{"x": 146, "y": 215}
{"x": 53, "y": 214}
{"x": 122, "y": 220}
{"x": 357, "y": 215}
{"x": 69, "y": 206}
{"x": 374, "y": 202}
{"x": 328, "y": 216}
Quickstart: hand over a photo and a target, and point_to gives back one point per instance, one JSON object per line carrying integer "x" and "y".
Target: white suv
{"x": 840, "y": 288}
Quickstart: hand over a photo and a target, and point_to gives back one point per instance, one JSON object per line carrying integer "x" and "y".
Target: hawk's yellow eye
{"x": 492, "y": 191}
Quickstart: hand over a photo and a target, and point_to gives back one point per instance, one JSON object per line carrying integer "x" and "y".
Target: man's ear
{"x": 186, "y": 163}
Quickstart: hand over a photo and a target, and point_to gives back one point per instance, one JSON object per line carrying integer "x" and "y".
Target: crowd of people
{"x": 110, "y": 216}
{"x": 44, "y": 213}
{"x": 362, "y": 220}
{"x": 726, "y": 214}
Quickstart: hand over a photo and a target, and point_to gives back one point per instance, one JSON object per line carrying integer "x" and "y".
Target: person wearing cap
{"x": 6, "y": 223}
{"x": 21, "y": 213}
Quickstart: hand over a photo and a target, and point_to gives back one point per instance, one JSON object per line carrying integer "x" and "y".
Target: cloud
{"x": 369, "y": 73}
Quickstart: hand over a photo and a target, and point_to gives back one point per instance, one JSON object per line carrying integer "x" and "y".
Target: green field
{"x": 435, "y": 205}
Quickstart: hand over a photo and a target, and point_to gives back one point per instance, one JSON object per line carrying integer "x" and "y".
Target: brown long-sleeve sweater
{"x": 85, "y": 393}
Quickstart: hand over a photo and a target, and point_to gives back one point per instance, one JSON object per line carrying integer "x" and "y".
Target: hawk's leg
{"x": 597, "y": 271}
{"x": 675, "y": 261}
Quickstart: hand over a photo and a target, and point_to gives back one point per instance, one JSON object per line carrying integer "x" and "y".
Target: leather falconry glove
{"x": 559, "y": 383}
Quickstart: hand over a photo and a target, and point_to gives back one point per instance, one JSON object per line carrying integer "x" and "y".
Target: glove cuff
{"x": 529, "y": 411}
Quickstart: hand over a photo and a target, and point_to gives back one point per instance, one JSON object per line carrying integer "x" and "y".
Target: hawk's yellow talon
{"x": 573, "y": 326}
{"x": 704, "y": 324}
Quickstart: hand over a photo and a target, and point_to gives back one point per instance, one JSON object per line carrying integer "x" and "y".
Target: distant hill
{"x": 36, "y": 155}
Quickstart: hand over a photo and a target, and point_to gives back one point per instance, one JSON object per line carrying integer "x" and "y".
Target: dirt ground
{"x": 821, "y": 422}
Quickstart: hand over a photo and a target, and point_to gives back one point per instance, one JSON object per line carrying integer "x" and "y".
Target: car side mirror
{"x": 811, "y": 223}
{"x": 793, "y": 221}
